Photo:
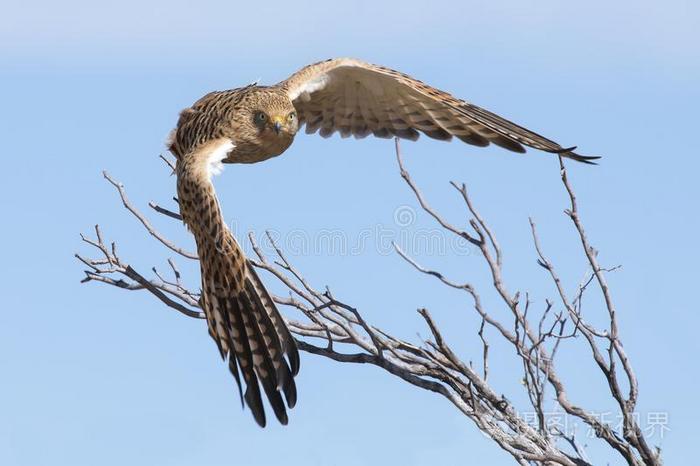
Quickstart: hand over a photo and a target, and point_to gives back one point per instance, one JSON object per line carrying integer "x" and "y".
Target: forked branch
{"x": 536, "y": 336}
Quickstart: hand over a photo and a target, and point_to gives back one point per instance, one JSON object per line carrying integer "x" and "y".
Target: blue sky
{"x": 97, "y": 375}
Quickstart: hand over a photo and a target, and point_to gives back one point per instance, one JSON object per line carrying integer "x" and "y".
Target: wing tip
{"x": 569, "y": 153}
{"x": 293, "y": 357}
{"x": 254, "y": 402}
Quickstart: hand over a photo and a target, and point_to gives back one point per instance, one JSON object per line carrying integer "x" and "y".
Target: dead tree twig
{"x": 433, "y": 365}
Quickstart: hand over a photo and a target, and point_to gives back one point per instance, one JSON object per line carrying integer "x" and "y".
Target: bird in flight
{"x": 254, "y": 123}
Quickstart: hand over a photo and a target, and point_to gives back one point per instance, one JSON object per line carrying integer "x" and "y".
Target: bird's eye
{"x": 292, "y": 116}
{"x": 260, "y": 117}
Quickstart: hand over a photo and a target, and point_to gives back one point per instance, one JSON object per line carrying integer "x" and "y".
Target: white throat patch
{"x": 214, "y": 165}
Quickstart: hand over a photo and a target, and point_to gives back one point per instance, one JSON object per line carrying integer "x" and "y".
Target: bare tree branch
{"x": 144, "y": 221}
{"x": 534, "y": 335}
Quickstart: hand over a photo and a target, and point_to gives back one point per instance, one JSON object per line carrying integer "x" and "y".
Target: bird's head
{"x": 272, "y": 119}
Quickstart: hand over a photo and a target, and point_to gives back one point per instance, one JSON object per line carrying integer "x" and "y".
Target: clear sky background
{"x": 94, "y": 375}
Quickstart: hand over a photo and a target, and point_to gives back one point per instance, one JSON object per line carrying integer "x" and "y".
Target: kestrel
{"x": 254, "y": 123}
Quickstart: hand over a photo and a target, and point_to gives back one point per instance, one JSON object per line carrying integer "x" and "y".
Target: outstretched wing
{"x": 241, "y": 316}
{"x": 357, "y": 98}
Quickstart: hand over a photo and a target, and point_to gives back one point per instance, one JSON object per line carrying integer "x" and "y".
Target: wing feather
{"x": 358, "y": 98}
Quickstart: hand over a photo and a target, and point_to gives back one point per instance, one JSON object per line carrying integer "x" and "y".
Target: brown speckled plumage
{"x": 356, "y": 99}
{"x": 253, "y": 123}
{"x": 241, "y": 316}
{"x": 359, "y": 99}
{"x": 230, "y": 114}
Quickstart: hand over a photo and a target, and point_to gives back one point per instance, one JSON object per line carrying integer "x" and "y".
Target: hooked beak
{"x": 277, "y": 127}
